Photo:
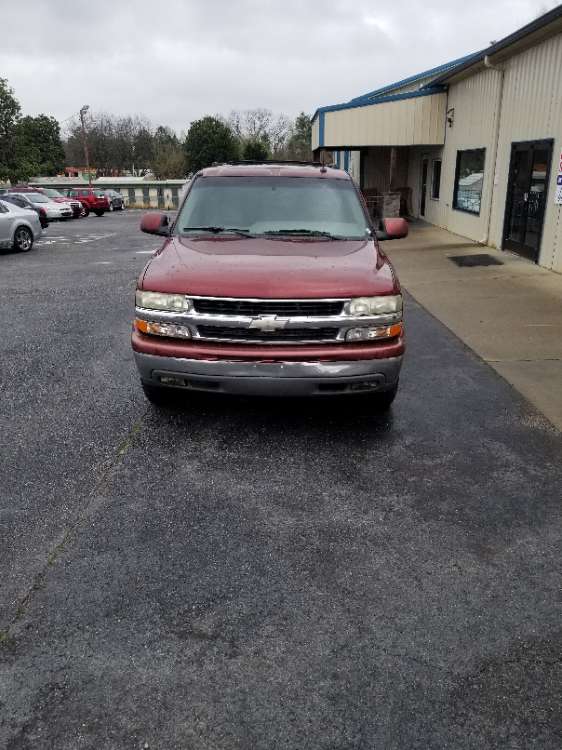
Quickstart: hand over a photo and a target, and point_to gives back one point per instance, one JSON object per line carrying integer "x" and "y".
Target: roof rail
{"x": 270, "y": 162}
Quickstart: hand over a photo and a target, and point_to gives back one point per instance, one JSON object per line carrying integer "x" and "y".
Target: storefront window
{"x": 469, "y": 178}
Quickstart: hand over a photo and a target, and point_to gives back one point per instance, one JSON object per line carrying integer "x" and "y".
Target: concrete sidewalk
{"x": 509, "y": 314}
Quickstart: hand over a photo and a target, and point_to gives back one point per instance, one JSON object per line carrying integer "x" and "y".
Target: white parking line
{"x": 102, "y": 263}
{"x": 145, "y": 252}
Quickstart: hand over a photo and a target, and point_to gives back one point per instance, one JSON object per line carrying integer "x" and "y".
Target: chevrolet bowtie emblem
{"x": 268, "y": 323}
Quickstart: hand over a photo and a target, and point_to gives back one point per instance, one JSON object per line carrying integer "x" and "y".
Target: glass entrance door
{"x": 526, "y": 197}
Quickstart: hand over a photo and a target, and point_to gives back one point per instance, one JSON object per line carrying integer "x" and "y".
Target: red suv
{"x": 91, "y": 200}
{"x": 270, "y": 281}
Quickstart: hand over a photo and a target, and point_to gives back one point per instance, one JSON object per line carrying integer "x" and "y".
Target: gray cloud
{"x": 178, "y": 60}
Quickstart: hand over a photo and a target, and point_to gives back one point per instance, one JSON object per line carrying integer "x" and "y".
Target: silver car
{"x": 19, "y": 227}
{"x": 53, "y": 210}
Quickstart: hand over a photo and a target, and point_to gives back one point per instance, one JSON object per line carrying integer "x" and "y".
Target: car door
{"x": 6, "y": 221}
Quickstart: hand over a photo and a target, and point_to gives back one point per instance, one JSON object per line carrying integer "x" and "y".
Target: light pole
{"x": 83, "y": 111}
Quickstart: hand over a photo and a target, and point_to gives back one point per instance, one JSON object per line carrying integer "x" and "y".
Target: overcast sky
{"x": 177, "y": 60}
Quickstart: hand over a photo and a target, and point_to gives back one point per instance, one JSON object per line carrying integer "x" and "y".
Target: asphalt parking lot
{"x": 244, "y": 573}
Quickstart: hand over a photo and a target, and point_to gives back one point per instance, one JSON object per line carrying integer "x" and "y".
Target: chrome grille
{"x": 300, "y": 335}
{"x": 285, "y": 308}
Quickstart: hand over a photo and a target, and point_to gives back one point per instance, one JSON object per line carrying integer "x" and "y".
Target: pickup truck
{"x": 270, "y": 281}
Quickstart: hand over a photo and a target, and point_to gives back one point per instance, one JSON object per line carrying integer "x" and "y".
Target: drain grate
{"x": 480, "y": 259}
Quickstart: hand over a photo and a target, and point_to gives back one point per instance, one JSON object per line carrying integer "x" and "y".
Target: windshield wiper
{"x": 219, "y": 230}
{"x": 305, "y": 232}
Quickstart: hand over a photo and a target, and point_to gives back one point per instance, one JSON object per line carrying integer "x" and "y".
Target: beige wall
{"x": 476, "y": 102}
{"x": 399, "y": 123}
{"x": 315, "y": 134}
{"x": 532, "y": 110}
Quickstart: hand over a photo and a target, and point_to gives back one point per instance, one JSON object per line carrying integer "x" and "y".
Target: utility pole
{"x": 83, "y": 111}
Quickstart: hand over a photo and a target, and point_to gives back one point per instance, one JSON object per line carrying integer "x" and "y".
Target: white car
{"x": 19, "y": 227}
{"x": 53, "y": 210}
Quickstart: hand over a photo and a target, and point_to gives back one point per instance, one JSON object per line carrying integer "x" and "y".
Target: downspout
{"x": 487, "y": 64}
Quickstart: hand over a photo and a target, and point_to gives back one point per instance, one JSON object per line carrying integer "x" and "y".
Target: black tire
{"x": 85, "y": 211}
{"x": 157, "y": 396}
{"x": 99, "y": 213}
{"x": 383, "y": 401}
{"x": 23, "y": 240}
{"x": 111, "y": 207}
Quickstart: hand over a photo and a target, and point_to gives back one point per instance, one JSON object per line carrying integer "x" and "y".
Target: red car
{"x": 91, "y": 200}
{"x": 270, "y": 281}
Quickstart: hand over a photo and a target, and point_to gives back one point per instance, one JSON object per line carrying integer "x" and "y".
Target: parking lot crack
{"x": 93, "y": 501}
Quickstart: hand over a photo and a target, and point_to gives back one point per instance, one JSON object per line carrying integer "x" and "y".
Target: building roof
{"x": 377, "y": 93}
{"x": 385, "y": 93}
{"x": 512, "y": 43}
{"x": 441, "y": 74}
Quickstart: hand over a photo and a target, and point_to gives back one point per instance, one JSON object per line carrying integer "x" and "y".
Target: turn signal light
{"x": 162, "y": 329}
{"x": 367, "y": 333}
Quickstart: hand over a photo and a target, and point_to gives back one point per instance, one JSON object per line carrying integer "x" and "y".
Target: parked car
{"x": 92, "y": 199}
{"x": 270, "y": 281}
{"x": 58, "y": 197}
{"x": 19, "y": 227}
{"x": 22, "y": 201}
{"x": 54, "y": 211}
{"x": 116, "y": 200}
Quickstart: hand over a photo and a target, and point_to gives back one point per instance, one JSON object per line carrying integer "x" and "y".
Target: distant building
{"x": 474, "y": 146}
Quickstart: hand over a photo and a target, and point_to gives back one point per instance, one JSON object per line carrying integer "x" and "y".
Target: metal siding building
{"x": 473, "y": 146}
{"x": 531, "y": 111}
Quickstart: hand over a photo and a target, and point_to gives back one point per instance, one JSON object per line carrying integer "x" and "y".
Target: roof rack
{"x": 279, "y": 162}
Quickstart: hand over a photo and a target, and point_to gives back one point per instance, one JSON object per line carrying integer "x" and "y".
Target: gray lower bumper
{"x": 268, "y": 378}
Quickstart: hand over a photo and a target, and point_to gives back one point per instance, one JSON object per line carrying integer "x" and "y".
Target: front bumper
{"x": 269, "y": 378}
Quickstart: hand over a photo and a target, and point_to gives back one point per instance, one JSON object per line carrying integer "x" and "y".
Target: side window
{"x": 469, "y": 178}
{"x": 436, "y": 179}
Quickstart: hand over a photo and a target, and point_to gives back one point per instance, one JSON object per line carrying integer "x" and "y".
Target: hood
{"x": 270, "y": 268}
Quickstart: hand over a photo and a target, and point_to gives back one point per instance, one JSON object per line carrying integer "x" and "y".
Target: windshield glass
{"x": 274, "y": 205}
{"x": 37, "y": 197}
{"x": 52, "y": 193}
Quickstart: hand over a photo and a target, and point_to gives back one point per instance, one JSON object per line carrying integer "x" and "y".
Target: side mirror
{"x": 392, "y": 229}
{"x": 155, "y": 223}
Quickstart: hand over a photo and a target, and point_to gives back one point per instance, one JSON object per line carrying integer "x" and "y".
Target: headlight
{"x": 159, "y": 301}
{"x": 376, "y": 305}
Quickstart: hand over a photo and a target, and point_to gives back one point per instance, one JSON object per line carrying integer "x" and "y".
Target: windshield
{"x": 37, "y": 197}
{"x": 274, "y": 205}
{"x": 52, "y": 193}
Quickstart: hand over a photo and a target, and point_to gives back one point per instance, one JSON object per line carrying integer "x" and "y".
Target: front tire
{"x": 85, "y": 211}
{"x": 383, "y": 401}
{"x": 157, "y": 396}
{"x": 99, "y": 213}
{"x": 23, "y": 240}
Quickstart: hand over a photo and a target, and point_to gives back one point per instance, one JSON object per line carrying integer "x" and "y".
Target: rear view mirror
{"x": 393, "y": 229}
{"x": 155, "y": 223}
